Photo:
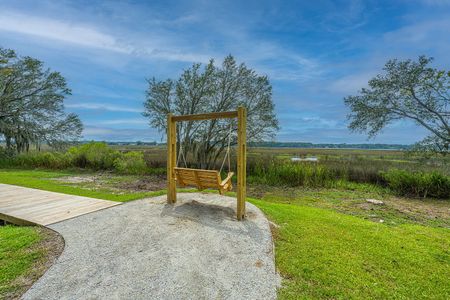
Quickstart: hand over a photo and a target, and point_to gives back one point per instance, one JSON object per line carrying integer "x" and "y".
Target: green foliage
{"x": 418, "y": 184}
{"x": 94, "y": 155}
{"x": 279, "y": 172}
{"x": 17, "y": 255}
{"x": 5, "y": 153}
{"x": 408, "y": 90}
{"x": 328, "y": 255}
{"x": 32, "y": 104}
{"x": 49, "y": 160}
{"x": 131, "y": 163}
{"x": 212, "y": 88}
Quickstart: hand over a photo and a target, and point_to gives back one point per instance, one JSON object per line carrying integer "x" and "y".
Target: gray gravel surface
{"x": 147, "y": 249}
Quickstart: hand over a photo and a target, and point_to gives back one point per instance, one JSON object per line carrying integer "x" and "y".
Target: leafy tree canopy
{"x": 31, "y": 104}
{"x": 408, "y": 90}
{"x": 212, "y": 88}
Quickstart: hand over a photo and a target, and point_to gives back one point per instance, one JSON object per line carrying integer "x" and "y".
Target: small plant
{"x": 94, "y": 155}
{"x": 131, "y": 163}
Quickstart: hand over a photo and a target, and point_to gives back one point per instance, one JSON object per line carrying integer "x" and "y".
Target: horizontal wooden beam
{"x": 196, "y": 170}
{"x": 199, "y": 117}
{"x": 16, "y": 221}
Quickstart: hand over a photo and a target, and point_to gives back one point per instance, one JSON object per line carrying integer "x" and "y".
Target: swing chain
{"x": 227, "y": 153}
{"x": 181, "y": 153}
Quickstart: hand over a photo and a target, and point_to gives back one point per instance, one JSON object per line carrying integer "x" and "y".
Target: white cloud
{"x": 351, "y": 84}
{"x": 123, "y": 134}
{"x": 89, "y": 36}
{"x": 426, "y": 33}
{"x": 103, "y": 106}
{"x": 62, "y": 31}
{"x": 124, "y": 121}
{"x": 318, "y": 122}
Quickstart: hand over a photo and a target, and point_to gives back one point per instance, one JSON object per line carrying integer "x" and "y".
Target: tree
{"x": 408, "y": 90}
{"x": 212, "y": 89}
{"x": 31, "y": 104}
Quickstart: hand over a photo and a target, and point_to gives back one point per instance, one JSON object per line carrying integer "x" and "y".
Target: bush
{"x": 6, "y": 153}
{"x": 131, "y": 163}
{"x": 49, "y": 160}
{"x": 94, "y": 155}
{"x": 418, "y": 184}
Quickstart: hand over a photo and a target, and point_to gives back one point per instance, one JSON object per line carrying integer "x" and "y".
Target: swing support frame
{"x": 241, "y": 116}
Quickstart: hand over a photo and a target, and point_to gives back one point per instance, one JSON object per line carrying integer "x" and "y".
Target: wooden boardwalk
{"x": 25, "y": 206}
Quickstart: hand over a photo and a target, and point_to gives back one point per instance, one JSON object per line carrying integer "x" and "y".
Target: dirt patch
{"x": 428, "y": 208}
{"x": 51, "y": 245}
{"x": 116, "y": 183}
{"x": 144, "y": 184}
{"x": 81, "y": 179}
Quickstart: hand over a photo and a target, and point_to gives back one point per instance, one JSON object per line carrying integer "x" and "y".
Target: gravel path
{"x": 147, "y": 249}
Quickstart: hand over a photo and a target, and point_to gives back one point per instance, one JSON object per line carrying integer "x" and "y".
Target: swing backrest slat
{"x": 197, "y": 177}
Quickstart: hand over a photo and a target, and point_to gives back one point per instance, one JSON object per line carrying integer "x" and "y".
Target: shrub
{"x": 131, "y": 163}
{"x": 95, "y": 155}
{"x": 49, "y": 160}
{"x": 5, "y": 153}
{"x": 418, "y": 184}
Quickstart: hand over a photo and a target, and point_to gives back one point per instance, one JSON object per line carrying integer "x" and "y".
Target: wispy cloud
{"x": 123, "y": 134}
{"x": 351, "y": 84}
{"x": 425, "y": 33}
{"x": 103, "y": 106}
{"x": 85, "y": 35}
{"x": 140, "y": 121}
{"x": 82, "y": 35}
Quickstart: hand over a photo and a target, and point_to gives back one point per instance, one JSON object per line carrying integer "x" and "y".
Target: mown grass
{"x": 326, "y": 248}
{"x": 17, "y": 255}
{"x": 327, "y": 255}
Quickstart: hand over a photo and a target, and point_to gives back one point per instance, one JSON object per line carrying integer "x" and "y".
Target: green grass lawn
{"x": 323, "y": 254}
{"x": 327, "y": 246}
{"x": 17, "y": 255}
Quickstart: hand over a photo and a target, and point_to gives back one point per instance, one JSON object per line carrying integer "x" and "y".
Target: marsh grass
{"x": 277, "y": 172}
{"x": 418, "y": 177}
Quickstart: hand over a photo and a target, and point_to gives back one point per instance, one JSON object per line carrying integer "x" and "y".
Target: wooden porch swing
{"x": 201, "y": 178}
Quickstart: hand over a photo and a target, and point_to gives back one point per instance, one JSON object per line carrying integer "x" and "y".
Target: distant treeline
{"x": 294, "y": 145}
{"x": 279, "y": 145}
{"x": 331, "y": 146}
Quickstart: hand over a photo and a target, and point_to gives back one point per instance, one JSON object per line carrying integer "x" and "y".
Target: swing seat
{"x": 203, "y": 179}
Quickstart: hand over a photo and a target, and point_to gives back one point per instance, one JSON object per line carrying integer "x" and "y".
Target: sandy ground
{"x": 147, "y": 249}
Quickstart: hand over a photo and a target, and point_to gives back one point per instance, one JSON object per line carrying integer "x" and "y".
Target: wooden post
{"x": 171, "y": 159}
{"x": 241, "y": 163}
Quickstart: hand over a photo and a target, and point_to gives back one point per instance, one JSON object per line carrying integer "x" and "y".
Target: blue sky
{"x": 314, "y": 52}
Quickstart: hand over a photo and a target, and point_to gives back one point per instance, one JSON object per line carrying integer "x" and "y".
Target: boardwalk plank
{"x": 31, "y": 206}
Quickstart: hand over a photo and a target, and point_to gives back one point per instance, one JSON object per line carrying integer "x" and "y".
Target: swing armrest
{"x": 227, "y": 179}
